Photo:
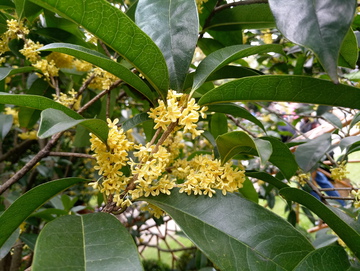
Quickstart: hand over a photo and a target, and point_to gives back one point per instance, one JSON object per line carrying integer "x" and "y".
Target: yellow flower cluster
{"x": 102, "y": 80}
{"x": 339, "y": 172}
{"x": 82, "y": 66}
{"x": 29, "y": 50}
{"x": 47, "y": 68}
{"x": 356, "y": 195}
{"x": 110, "y": 158}
{"x": 68, "y": 99}
{"x": 14, "y": 113}
{"x": 15, "y": 30}
{"x": 61, "y": 60}
{"x": 28, "y": 135}
{"x": 302, "y": 178}
{"x": 203, "y": 174}
{"x": 178, "y": 109}
{"x": 199, "y": 4}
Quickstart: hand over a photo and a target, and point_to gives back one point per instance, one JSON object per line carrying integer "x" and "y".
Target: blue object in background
{"x": 323, "y": 182}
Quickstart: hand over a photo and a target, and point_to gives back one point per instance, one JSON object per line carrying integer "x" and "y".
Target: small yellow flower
{"x": 47, "y": 68}
{"x": 339, "y": 172}
{"x": 30, "y": 50}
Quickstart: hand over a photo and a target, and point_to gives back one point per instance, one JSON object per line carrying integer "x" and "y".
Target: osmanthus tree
{"x": 161, "y": 127}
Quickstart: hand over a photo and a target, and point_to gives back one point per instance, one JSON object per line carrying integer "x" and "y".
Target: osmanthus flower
{"x": 69, "y": 99}
{"x": 356, "y": 195}
{"x": 30, "y": 50}
{"x": 203, "y": 174}
{"x": 302, "y": 178}
{"x": 102, "y": 79}
{"x": 178, "y": 109}
{"x": 16, "y": 29}
{"x": 339, "y": 172}
{"x": 47, "y": 68}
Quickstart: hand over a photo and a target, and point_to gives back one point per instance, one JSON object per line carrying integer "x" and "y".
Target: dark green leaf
{"x": 95, "y": 241}
{"x": 266, "y": 178}
{"x": 282, "y": 157}
{"x": 223, "y": 228}
{"x": 289, "y": 88}
{"x": 236, "y": 111}
{"x": 334, "y": 120}
{"x": 6, "y": 122}
{"x": 345, "y": 227}
{"x": 355, "y": 120}
{"x": 233, "y": 143}
{"x": 103, "y": 62}
{"x": 28, "y": 117}
{"x": 248, "y": 191}
{"x": 308, "y": 155}
{"x": 218, "y": 124}
{"x": 36, "y": 102}
{"x": 243, "y": 17}
{"x": 319, "y": 25}
{"x": 24, "y": 206}
{"x": 326, "y": 258}
{"x": 24, "y": 8}
{"x": 174, "y": 27}
{"x": 117, "y": 30}
{"x": 131, "y": 123}
{"x": 349, "y": 51}
{"x": 224, "y": 56}
{"x": 5, "y": 72}
{"x": 29, "y": 239}
{"x": 54, "y": 121}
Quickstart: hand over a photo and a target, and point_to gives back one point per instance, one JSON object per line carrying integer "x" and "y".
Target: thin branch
{"x": 338, "y": 189}
{"x": 84, "y": 85}
{"x": 105, "y": 48}
{"x": 237, "y": 123}
{"x": 71, "y": 154}
{"x": 240, "y": 3}
{"x": 333, "y": 197}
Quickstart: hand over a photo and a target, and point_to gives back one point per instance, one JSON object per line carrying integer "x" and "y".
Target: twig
{"x": 71, "y": 154}
{"x": 333, "y": 197}
{"x": 240, "y": 3}
{"x": 105, "y": 48}
{"x": 338, "y": 188}
{"x": 84, "y": 86}
{"x": 237, "y": 123}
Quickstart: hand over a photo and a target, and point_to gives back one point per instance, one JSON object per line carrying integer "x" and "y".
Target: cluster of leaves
{"x": 153, "y": 43}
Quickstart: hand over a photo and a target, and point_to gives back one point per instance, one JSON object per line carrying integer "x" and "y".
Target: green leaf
{"x": 5, "y": 72}
{"x": 24, "y": 206}
{"x": 6, "y": 122}
{"x": 355, "y": 120}
{"x": 24, "y": 8}
{"x": 334, "y": 120}
{"x": 308, "y": 155}
{"x": 282, "y": 157}
{"x": 36, "y": 102}
{"x": 266, "y": 178}
{"x": 224, "y": 56}
{"x": 103, "y": 62}
{"x": 6, "y": 247}
{"x": 54, "y": 121}
{"x": 326, "y": 258}
{"x": 347, "y": 142}
{"x": 248, "y": 191}
{"x": 316, "y": 24}
{"x": 218, "y": 124}
{"x": 136, "y": 120}
{"x": 117, "y": 30}
{"x": 28, "y": 117}
{"x": 290, "y": 88}
{"x": 174, "y": 27}
{"x": 236, "y": 111}
{"x": 95, "y": 241}
{"x": 345, "y": 227}
{"x": 232, "y": 143}
{"x": 252, "y": 16}
{"x": 223, "y": 228}
{"x": 349, "y": 51}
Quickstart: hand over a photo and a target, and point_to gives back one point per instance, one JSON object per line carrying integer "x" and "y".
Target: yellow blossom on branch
{"x": 339, "y": 172}
{"x": 16, "y": 29}
{"x": 30, "y": 50}
{"x": 47, "y": 68}
{"x": 356, "y": 195}
{"x": 61, "y": 60}
{"x": 68, "y": 99}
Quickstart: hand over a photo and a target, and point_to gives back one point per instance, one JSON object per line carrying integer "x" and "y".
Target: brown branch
{"x": 29, "y": 165}
{"x": 333, "y": 197}
{"x": 84, "y": 86}
{"x": 17, "y": 150}
{"x": 105, "y": 48}
{"x": 71, "y": 154}
{"x": 237, "y": 123}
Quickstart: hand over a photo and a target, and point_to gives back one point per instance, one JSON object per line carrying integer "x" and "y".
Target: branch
{"x": 71, "y": 154}
{"x": 240, "y": 3}
{"x": 17, "y": 150}
{"x": 237, "y": 123}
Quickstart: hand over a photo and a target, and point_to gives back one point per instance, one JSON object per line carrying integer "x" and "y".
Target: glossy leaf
{"x": 233, "y": 143}
{"x": 266, "y": 178}
{"x": 349, "y": 51}
{"x": 7, "y": 246}
{"x": 117, "y": 30}
{"x": 24, "y": 8}
{"x": 282, "y": 157}
{"x": 248, "y": 191}
{"x": 308, "y": 155}
{"x": 326, "y": 258}
{"x": 235, "y": 111}
{"x": 290, "y": 88}
{"x": 223, "y": 228}
{"x": 173, "y": 26}
{"x": 95, "y": 241}
{"x": 334, "y": 120}
{"x": 103, "y": 62}
{"x": 218, "y": 124}
{"x": 36, "y": 102}
{"x": 224, "y": 56}
{"x": 243, "y": 17}
{"x": 54, "y": 121}
{"x": 6, "y": 122}
{"x": 355, "y": 120}
{"x": 345, "y": 227}
{"x": 28, "y": 117}
{"x": 5, "y": 72}
{"x": 25, "y": 205}
{"x": 136, "y": 120}
{"x": 347, "y": 142}
{"x": 320, "y": 25}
